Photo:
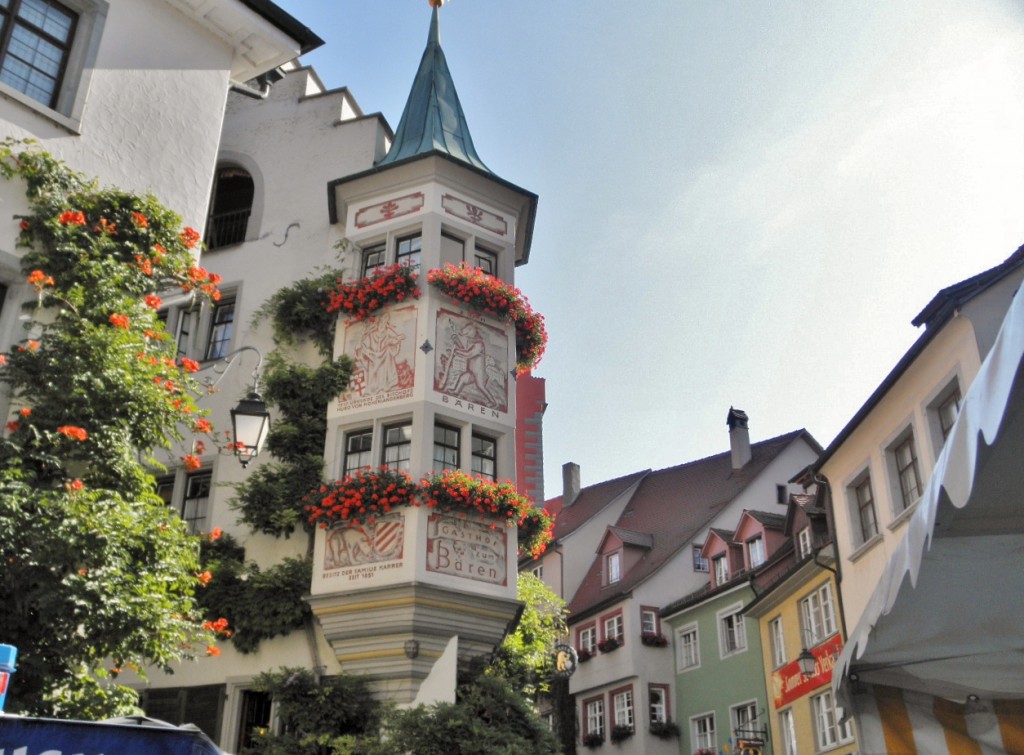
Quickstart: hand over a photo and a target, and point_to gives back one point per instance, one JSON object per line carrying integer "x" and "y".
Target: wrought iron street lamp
{"x": 250, "y": 419}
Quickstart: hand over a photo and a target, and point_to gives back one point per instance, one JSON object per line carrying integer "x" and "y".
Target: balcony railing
{"x": 226, "y": 228}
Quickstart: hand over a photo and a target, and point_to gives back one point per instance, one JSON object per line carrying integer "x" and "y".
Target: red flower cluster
{"x": 362, "y": 298}
{"x": 189, "y": 365}
{"x": 205, "y": 578}
{"x": 191, "y": 463}
{"x": 455, "y": 490}
{"x": 120, "y": 321}
{"x": 106, "y": 227}
{"x": 39, "y": 279}
{"x": 361, "y": 497}
{"x": 204, "y": 280}
{"x": 485, "y": 293}
{"x": 72, "y": 432}
{"x": 139, "y": 220}
{"x": 189, "y": 237}
{"x": 153, "y": 301}
{"x": 72, "y": 217}
{"x": 220, "y": 626}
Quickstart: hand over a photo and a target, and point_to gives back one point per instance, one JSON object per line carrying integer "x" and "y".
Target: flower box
{"x": 609, "y": 644}
{"x": 592, "y": 740}
{"x": 620, "y": 732}
{"x": 484, "y": 293}
{"x": 664, "y": 729}
{"x": 653, "y": 640}
{"x": 583, "y": 655}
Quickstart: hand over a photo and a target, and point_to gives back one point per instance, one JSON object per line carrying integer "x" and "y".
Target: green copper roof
{"x": 433, "y": 120}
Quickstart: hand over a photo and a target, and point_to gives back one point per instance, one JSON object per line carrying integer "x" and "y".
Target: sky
{"x": 741, "y": 203}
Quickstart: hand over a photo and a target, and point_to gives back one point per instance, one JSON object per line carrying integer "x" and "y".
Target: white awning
{"x": 947, "y": 617}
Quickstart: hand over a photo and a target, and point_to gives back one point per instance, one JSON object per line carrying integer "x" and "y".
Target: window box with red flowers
{"x": 583, "y": 655}
{"x": 484, "y": 293}
{"x": 363, "y": 298}
{"x": 620, "y": 732}
{"x": 653, "y": 639}
{"x": 592, "y": 740}
{"x": 664, "y": 729}
{"x": 368, "y": 493}
{"x": 609, "y": 644}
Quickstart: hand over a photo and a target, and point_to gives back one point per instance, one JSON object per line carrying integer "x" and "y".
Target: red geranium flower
{"x": 191, "y": 463}
{"x": 153, "y": 301}
{"x": 140, "y": 220}
{"x": 189, "y": 237}
{"x": 72, "y": 217}
{"x": 119, "y": 321}
{"x": 73, "y": 433}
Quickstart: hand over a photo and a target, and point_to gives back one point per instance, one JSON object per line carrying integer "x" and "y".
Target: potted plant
{"x": 609, "y": 644}
{"x": 664, "y": 729}
{"x": 592, "y": 740}
{"x": 621, "y": 732}
{"x": 654, "y": 640}
{"x": 583, "y": 655}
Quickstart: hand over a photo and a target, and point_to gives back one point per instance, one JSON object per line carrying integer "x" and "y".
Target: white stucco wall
{"x": 152, "y": 109}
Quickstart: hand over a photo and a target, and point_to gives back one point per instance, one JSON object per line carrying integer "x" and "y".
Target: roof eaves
{"x": 287, "y": 23}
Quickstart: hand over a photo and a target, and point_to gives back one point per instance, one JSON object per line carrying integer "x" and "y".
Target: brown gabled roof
{"x": 775, "y": 521}
{"x": 726, "y": 535}
{"x": 673, "y": 505}
{"x": 591, "y": 500}
{"x": 629, "y": 537}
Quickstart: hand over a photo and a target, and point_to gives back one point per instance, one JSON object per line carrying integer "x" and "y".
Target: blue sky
{"x": 740, "y": 203}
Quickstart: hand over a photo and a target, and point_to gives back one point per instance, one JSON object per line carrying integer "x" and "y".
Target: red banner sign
{"x": 788, "y": 683}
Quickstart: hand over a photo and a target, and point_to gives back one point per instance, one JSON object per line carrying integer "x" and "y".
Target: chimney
{"x": 739, "y": 437}
{"x": 570, "y": 482}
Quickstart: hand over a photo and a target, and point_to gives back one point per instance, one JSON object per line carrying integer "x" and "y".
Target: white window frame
{"x": 804, "y": 547}
{"x": 818, "y": 615}
{"x": 777, "y": 634}
{"x": 828, "y": 732}
{"x": 687, "y": 648}
{"x": 622, "y": 708}
{"x": 700, "y": 562}
{"x": 594, "y": 716}
{"x": 706, "y": 738}
{"x": 538, "y": 571}
{"x": 649, "y": 623}
{"x": 613, "y": 567}
{"x": 614, "y": 623}
{"x": 721, "y": 567}
{"x": 787, "y": 726}
{"x": 657, "y": 709}
{"x": 732, "y": 631}
{"x": 735, "y": 714}
{"x": 756, "y": 547}
{"x": 586, "y": 638}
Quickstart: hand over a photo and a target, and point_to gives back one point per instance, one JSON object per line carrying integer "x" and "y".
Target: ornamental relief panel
{"x": 383, "y": 352}
{"x": 471, "y": 363}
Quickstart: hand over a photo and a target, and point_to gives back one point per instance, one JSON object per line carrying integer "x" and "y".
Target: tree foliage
{"x": 97, "y": 574}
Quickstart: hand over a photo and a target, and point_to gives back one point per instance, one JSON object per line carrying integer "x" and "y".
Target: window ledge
{"x": 72, "y": 125}
{"x": 903, "y": 516}
{"x": 864, "y": 548}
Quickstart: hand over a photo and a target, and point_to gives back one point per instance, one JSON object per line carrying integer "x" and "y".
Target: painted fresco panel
{"x": 361, "y": 552}
{"x": 472, "y": 363}
{"x": 383, "y": 351}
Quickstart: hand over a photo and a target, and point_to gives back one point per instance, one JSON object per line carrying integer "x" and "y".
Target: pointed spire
{"x": 433, "y": 120}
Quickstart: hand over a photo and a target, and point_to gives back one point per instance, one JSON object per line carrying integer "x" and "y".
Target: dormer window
{"x": 721, "y": 569}
{"x": 613, "y": 564}
{"x": 756, "y": 552}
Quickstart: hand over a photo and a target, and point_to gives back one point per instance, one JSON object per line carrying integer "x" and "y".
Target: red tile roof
{"x": 591, "y": 500}
{"x": 672, "y": 505}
